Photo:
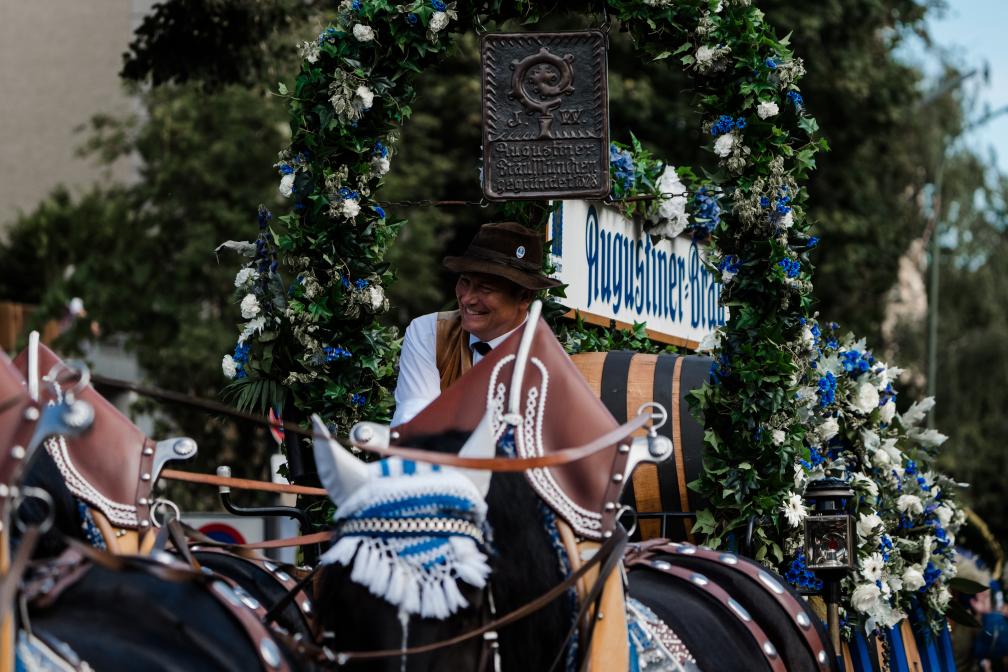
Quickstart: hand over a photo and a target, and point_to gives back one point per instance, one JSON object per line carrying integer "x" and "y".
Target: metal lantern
{"x": 829, "y": 528}
{"x": 829, "y": 542}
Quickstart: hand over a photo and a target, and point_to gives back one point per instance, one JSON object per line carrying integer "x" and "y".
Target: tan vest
{"x": 452, "y": 352}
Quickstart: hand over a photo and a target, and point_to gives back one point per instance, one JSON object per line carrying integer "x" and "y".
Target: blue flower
{"x": 740, "y": 123}
{"x": 345, "y": 281}
{"x": 796, "y": 99}
{"x": 285, "y": 168}
{"x": 791, "y": 267}
{"x": 800, "y": 576}
{"x": 241, "y": 352}
{"x": 438, "y": 5}
{"x": 730, "y": 264}
{"x": 360, "y": 283}
{"x": 412, "y": 19}
{"x": 380, "y": 149}
{"x": 358, "y": 400}
{"x": 725, "y": 124}
{"x": 622, "y": 165}
{"x": 274, "y": 266}
{"x": 348, "y": 194}
{"x": 812, "y": 242}
{"x": 380, "y": 211}
{"x": 240, "y": 372}
{"x": 764, "y": 202}
{"x": 706, "y": 211}
{"x": 827, "y": 389}
{"x": 355, "y": 5}
{"x": 334, "y": 353}
{"x": 832, "y": 344}
{"x": 782, "y": 206}
{"x": 855, "y": 362}
{"x": 771, "y": 63}
{"x": 264, "y": 216}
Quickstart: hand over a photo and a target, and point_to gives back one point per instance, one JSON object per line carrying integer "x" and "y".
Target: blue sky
{"x": 971, "y": 33}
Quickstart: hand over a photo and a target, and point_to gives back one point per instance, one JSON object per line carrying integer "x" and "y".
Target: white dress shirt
{"x": 419, "y": 380}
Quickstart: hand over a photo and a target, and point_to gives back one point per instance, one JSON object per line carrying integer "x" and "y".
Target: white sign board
{"x": 614, "y": 271}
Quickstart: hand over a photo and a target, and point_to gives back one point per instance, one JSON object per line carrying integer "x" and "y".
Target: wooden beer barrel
{"x": 624, "y": 380}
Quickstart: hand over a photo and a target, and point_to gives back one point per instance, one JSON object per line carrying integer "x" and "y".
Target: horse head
{"x": 113, "y": 468}
{"x": 411, "y": 535}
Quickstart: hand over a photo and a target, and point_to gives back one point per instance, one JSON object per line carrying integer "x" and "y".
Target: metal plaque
{"x": 545, "y": 115}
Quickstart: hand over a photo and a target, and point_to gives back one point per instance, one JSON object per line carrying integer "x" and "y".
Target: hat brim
{"x": 521, "y": 278}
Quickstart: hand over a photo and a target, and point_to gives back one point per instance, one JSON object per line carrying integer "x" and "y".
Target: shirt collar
{"x": 500, "y": 339}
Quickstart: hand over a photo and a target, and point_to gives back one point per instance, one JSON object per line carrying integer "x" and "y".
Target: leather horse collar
{"x": 114, "y": 466}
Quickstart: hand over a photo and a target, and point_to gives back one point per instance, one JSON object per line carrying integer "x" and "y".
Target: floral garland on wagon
{"x": 313, "y": 343}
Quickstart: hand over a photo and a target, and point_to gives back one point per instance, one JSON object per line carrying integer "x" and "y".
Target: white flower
{"x": 438, "y": 21}
{"x": 704, "y": 56}
{"x": 229, "y": 366}
{"x": 942, "y": 598}
{"x": 244, "y": 277}
{"x": 929, "y": 438}
{"x": 887, "y": 411}
{"x": 828, "y": 429}
{"x": 252, "y": 327}
{"x": 808, "y": 338}
{"x": 376, "y": 296}
{"x": 787, "y": 220}
{"x": 913, "y": 578}
{"x": 287, "y": 185}
{"x": 672, "y": 209}
{"x": 862, "y": 481}
{"x": 249, "y": 306}
{"x": 723, "y": 145}
{"x": 910, "y": 504}
{"x": 866, "y": 597}
{"x": 767, "y": 109}
{"x": 380, "y": 165}
{"x": 310, "y": 51}
{"x": 794, "y": 509}
{"x": 351, "y": 208}
{"x": 363, "y": 97}
{"x": 778, "y": 436}
{"x": 868, "y": 525}
{"x": 872, "y": 566}
{"x": 944, "y": 514}
{"x": 363, "y": 33}
{"x": 866, "y": 398}
{"x": 710, "y": 342}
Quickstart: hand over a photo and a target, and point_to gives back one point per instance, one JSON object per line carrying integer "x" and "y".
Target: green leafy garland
{"x": 312, "y": 342}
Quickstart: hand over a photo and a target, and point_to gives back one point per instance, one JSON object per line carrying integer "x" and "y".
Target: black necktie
{"x": 482, "y": 347}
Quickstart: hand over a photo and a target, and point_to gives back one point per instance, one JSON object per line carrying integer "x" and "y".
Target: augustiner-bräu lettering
{"x": 641, "y": 280}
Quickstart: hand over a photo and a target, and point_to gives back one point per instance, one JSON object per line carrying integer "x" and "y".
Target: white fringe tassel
{"x": 404, "y": 582}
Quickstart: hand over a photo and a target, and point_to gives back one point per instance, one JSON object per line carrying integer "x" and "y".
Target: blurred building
{"x": 59, "y": 66}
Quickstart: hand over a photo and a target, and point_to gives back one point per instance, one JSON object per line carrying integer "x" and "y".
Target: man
{"x": 499, "y": 275}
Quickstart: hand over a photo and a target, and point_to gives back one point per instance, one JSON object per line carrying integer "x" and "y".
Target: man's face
{"x": 490, "y": 306}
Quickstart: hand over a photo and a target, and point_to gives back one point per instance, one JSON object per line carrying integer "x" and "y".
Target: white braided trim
{"x": 120, "y": 515}
{"x": 528, "y": 443}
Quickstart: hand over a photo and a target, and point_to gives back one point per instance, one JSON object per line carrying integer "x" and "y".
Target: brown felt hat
{"x": 507, "y": 250}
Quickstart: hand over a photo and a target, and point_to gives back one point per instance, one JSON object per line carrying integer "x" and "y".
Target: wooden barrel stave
{"x": 624, "y": 381}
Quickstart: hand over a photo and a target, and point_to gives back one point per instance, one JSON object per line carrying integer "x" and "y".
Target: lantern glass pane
{"x": 828, "y": 542}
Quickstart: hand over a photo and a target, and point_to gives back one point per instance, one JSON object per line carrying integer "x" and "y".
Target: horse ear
{"x": 340, "y": 471}
{"x": 480, "y": 444}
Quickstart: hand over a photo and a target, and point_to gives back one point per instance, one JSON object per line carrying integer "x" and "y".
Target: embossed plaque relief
{"x": 545, "y": 115}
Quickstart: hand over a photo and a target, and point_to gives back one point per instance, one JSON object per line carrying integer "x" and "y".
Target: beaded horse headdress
{"x": 409, "y": 531}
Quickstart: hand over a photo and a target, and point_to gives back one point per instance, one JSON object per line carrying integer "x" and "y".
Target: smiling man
{"x": 499, "y": 275}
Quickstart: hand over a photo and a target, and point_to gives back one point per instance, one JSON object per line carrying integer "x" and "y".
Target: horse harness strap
{"x": 57, "y": 576}
{"x": 644, "y": 553}
{"x": 716, "y": 592}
